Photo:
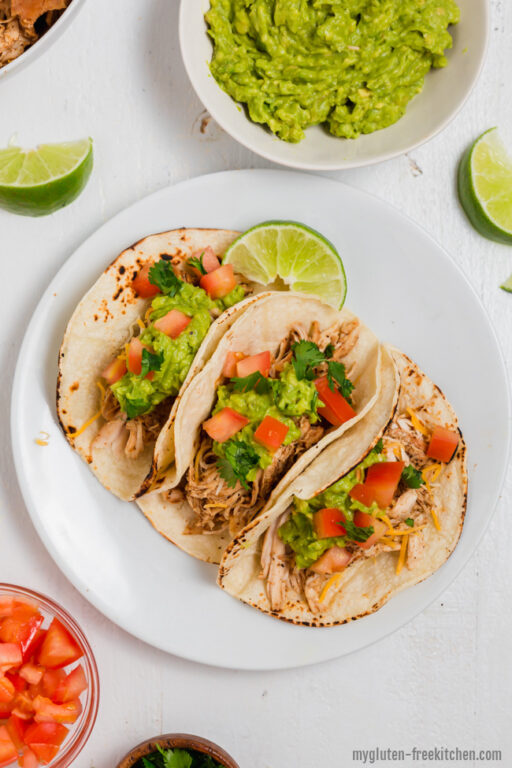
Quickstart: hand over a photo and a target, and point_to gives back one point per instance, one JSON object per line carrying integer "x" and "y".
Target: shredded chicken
{"x": 312, "y": 589}
{"x": 403, "y": 506}
{"x": 276, "y": 566}
{"x": 113, "y": 435}
{"x": 23, "y": 22}
{"x": 413, "y": 443}
{"x": 415, "y": 548}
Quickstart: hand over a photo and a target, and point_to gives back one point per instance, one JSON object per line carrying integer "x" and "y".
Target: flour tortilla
{"x": 260, "y": 328}
{"x": 100, "y": 326}
{"x": 368, "y": 583}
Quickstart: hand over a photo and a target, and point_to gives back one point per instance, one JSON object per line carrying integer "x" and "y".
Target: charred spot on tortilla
{"x": 117, "y": 293}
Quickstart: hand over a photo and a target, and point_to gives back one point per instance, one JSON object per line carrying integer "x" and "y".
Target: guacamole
{"x": 283, "y": 398}
{"x": 137, "y": 394}
{"x": 351, "y": 65}
{"x": 298, "y": 532}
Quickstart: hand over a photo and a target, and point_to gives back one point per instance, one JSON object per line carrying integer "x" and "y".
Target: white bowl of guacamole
{"x": 322, "y": 87}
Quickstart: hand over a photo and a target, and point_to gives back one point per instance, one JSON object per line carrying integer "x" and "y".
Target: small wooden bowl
{"x": 179, "y": 741}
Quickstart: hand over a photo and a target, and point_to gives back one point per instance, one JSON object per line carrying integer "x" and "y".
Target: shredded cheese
{"x": 387, "y": 521}
{"x": 141, "y": 324}
{"x": 406, "y": 532}
{"x": 43, "y": 440}
{"x": 388, "y": 542}
{"x": 401, "y": 556}
{"x": 84, "y": 426}
{"x": 198, "y": 458}
{"x": 417, "y": 423}
{"x": 102, "y": 389}
{"x": 332, "y": 581}
{"x": 126, "y": 350}
{"x": 431, "y": 473}
{"x": 435, "y": 519}
{"x": 148, "y": 314}
{"x": 221, "y": 506}
{"x": 359, "y": 475}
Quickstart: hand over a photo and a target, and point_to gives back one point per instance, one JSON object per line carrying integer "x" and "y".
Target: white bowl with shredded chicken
{"x": 25, "y": 33}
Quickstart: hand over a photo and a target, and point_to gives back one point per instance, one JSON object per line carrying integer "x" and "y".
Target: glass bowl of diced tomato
{"x": 49, "y": 687}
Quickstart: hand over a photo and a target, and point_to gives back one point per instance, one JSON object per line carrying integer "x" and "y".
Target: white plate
{"x": 401, "y": 283}
{"x": 444, "y": 94}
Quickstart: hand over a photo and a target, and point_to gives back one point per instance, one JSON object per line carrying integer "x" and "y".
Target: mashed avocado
{"x": 137, "y": 394}
{"x": 352, "y": 65}
{"x": 298, "y": 532}
{"x": 286, "y": 397}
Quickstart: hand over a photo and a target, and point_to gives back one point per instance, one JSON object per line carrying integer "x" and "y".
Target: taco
{"x": 134, "y": 342}
{"x": 288, "y": 378}
{"x": 365, "y": 522}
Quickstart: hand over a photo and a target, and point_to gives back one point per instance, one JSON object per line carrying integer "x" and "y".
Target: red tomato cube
{"x": 141, "y": 284}
{"x": 71, "y": 686}
{"x": 232, "y": 358}
{"x": 363, "y": 494}
{"x": 443, "y": 444}
{"x": 271, "y": 433}
{"x": 8, "y": 751}
{"x": 6, "y": 606}
{"x": 365, "y": 521}
{"x": 326, "y": 523}
{"x": 173, "y": 323}
{"x": 59, "y": 648}
{"x": 46, "y": 711}
{"x": 17, "y": 727}
{"x": 114, "y": 371}
{"x": 332, "y": 561}
{"x": 383, "y": 479}
{"x": 249, "y": 365}
{"x": 44, "y": 739}
{"x": 31, "y": 673}
{"x": 10, "y": 655}
{"x": 7, "y": 690}
{"x": 225, "y": 424}
{"x": 220, "y": 282}
{"x": 28, "y": 759}
{"x": 336, "y": 409}
{"x": 207, "y": 258}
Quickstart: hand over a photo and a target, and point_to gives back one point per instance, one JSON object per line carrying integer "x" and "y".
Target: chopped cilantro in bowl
{"x": 177, "y": 758}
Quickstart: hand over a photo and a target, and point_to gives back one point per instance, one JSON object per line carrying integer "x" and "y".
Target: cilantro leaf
{"x": 409, "y": 522}
{"x": 306, "y": 355}
{"x": 198, "y": 263}
{"x": 151, "y": 361}
{"x": 412, "y": 477}
{"x": 175, "y": 758}
{"x": 238, "y": 460}
{"x": 148, "y": 762}
{"x": 357, "y": 532}
{"x": 336, "y": 373}
{"x": 162, "y": 275}
{"x": 255, "y": 381}
{"x": 379, "y": 446}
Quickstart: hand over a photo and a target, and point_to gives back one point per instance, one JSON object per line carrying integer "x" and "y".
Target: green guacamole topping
{"x": 352, "y": 65}
{"x": 137, "y": 394}
{"x": 287, "y": 397}
{"x": 298, "y": 532}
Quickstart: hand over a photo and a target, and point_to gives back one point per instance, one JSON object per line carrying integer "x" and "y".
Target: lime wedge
{"x": 39, "y": 181}
{"x": 285, "y": 255}
{"x": 485, "y": 187}
{"x": 507, "y": 285}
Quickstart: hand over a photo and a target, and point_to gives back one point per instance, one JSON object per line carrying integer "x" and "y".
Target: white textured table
{"x": 446, "y": 679}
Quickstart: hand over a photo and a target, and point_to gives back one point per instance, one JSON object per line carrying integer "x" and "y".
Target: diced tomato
{"x": 114, "y": 371}
{"x": 383, "y": 479}
{"x": 173, "y": 323}
{"x": 8, "y": 751}
{"x": 59, "y": 648}
{"x": 271, "y": 433}
{"x": 46, "y": 711}
{"x": 232, "y": 359}
{"x": 253, "y": 363}
{"x": 44, "y": 739}
{"x": 337, "y": 410}
{"x": 10, "y": 655}
{"x": 19, "y": 683}
{"x": 208, "y": 259}
{"x": 135, "y": 356}
{"x": 21, "y": 629}
{"x": 220, "y": 282}
{"x": 34, "y": 644}
{"x": 225, "y": 424}
{"x": 141, "y": 284}
{"x": 363, "y": 520}
{"x": 6, "y": 606}
{"x": 443, "y": 444}
{"x": 7, "y": 690}
{"x": 332, "y": 561}
{"x": 5, "y": 711}
{"x": 71, "y": 687}
{"x": 24, "y": 610}
{"x": 51, "y": 681}
{"x": 363, "y": 494}
{"x": 327, "y": 523}
{"x": 31, "y": 673}
{"x": 17, "y": 727}
{"x": 23, "y": 706}
{"x": 28, "y": 759}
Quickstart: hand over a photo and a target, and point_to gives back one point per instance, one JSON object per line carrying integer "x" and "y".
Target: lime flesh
{"x": 39, "y": 181}
{"x": 485, "y": 187}
{"x": 286, "y": 255}
{"x": 507, "y": 285}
